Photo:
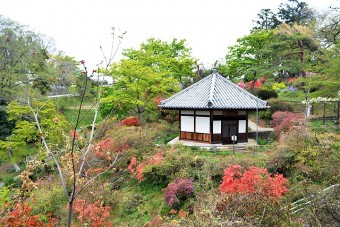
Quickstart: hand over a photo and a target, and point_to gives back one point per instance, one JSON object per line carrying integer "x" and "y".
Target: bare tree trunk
{"x": 69, "y": 213}
{"x": 140, "y": 115}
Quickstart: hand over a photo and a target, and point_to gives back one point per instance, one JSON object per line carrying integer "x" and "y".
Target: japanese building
{"x": 213, "y": 110}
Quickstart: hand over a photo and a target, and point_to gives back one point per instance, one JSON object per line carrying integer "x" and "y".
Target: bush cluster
{"x": 267, "y": 94}
{"x": 178, "y": 190}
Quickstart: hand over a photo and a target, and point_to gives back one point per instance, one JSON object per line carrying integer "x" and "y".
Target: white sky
{"x": 79, "y": 27}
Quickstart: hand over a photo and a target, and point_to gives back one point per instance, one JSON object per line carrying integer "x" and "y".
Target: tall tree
{"x": 135, "y": 89}
{"x": 266, "y": 19}
{"x": 249, "y": 55}
{"x": 328, "y": 27}
{"x": 64, "y": 70}
{"x": 295, "y": 47}
{"x": 171, "y": 58}
{"x": 295, "y": 12}
{"x": 149, "y": 72}
{"x": 22, "y": 56}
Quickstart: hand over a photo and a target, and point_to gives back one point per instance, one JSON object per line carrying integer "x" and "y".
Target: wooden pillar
{"x": 179, "y": 121}
{"x": 247, "y": 126}
{"x": 194, "y": 137}
{"x": 211, "y": 126}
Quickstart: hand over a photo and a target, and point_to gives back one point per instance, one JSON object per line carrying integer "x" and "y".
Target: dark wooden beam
{"x": 211, "y": 126}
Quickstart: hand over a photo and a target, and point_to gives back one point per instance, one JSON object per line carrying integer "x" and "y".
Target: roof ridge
{"x": 212, "y": 89}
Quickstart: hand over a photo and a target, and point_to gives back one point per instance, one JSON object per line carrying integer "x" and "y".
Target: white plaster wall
{"x": 203, "y": 124}
{"x": 217, "y": 127}
{"x": 242, "y": 126}
{"x": 187, "y": 123}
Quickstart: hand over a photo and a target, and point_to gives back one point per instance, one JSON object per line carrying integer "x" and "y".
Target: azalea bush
{"x": 241, "y": 85}
{"x": 283, "y": 121}
{"x": 131, "y": 121}
{"x": 256, "y": 181}
{"x": 177, "y": 191}
{"x": 138, "y": 169}
{"x": 257, "y": 84}
{"x": 22, "y": 215}
{"x": 91, "y": 214}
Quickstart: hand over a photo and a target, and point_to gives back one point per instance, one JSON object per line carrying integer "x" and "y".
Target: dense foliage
{"x": 118, "y": 171}
{"x": 253, "y": 181}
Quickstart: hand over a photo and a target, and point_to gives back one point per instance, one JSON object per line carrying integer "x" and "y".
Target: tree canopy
{"x": 22, "y": 56}
{"x": 155, "y": 70}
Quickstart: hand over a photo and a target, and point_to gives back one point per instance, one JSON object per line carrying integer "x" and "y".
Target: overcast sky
{"x": 79, "y": 27}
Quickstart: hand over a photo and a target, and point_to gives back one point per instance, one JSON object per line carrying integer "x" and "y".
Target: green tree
{"x": 295, "y": 12}
{"x": 294, "y": 49}
{"x": 6, "y": 126}
{"x": 173, "y": 58}
{"x": 25, "y": 138}
{"x": 135, "y": 88}
{"x": 154, "y": 70}
{"x": 266, "y": 19}
{"x": 328, "y": 27}
{"x": 249, "y": 55}
{"x": 64, "y": 71}
{"x": 22, "y": 56}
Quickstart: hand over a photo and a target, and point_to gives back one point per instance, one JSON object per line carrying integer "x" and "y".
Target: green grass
{"x": 138, "y": 204}
{"x": 167, "y": 138}
{"x": 328, "y": 127}
{"x": 66, "y": 102}
{"x": 86, "y": 116}
{"x": 297, "y": 96}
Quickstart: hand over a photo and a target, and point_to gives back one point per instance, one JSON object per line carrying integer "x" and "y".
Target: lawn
{"x": 86, "y": 116}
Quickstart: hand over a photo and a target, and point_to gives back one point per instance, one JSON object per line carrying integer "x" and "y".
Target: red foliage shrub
{"x": 284, "y": 121}
{"x": 156, "y": 159}
{"x": 158, "y": 100}
{"x": 132, "y": 165}
{"x": 263, "y": 79}
{"x": 180, "y": 188}
{"x": 241, "y": 85}
{"x": 104, "y": 148}
{"x": 291, "y": 81}
{"x": 74, "y": 134}
{"x": 92, "y": 214}
{"x": 173, "y": 211}
{"x": 253, "y": 181}
{"x": 258, "y": 84}
{"x": 21, "y": 215}
{"x": 131, "y": 121}
{"x": 182, "y": 214}
{"x": 155, "y": 222}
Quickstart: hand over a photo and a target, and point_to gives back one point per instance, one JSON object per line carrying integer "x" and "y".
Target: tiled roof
{"x": 213, "y": 92}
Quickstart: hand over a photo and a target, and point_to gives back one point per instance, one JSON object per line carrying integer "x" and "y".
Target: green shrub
{"x": 267, "y": 94}
{"x": 12, "y": 182}
{"x": 49, "y": 200}
{"x": 177, "y": 164}
{"x": 4, "y": 197}
{"x": 277, "y": 105}
{"x": 266, "y": 115}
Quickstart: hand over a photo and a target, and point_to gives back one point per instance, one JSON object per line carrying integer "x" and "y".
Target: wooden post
{"x": 179, "y": 127}
{"x": 211, "y": 126}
